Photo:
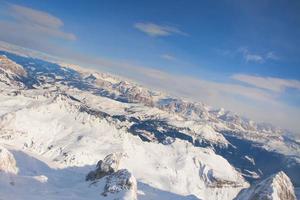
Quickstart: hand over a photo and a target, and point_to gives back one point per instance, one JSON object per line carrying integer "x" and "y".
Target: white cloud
{"x": 168, "y": 57}
{"x": 155, "y": 30}
{"x": 268, "y": 83}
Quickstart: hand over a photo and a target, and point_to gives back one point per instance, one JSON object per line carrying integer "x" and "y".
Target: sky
{"x": 243, "y": 56}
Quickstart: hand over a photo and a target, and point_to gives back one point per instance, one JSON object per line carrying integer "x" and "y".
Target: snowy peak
{"x": 276, "y": 187}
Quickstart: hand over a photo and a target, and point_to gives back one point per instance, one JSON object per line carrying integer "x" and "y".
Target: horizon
{"x": 258, "y": 79}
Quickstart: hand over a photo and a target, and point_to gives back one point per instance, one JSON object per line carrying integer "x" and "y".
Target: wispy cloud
{"x": 168, "y": 57}
{"x": 256, "y": 57}
{"x": 268, "y": 83}
{"x": 272, "y": 56}
{"x": 156, "y": 30}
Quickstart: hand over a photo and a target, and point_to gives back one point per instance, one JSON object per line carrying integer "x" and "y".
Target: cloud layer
{"x": 268, "y": 83}
{"x": 31, "y": 28}
{"x": 155, "y": 30}
{"x": 35, "y": 17}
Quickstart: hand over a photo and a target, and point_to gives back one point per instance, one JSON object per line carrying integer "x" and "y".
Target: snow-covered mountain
{"x": 277, "y": 186}
{"x": 57, "y": 121}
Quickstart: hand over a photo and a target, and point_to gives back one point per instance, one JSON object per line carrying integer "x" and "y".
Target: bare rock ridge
{"x": 11, "y": 67}
{"x": 276, "y": 187}
{"x": 118, "y": 181}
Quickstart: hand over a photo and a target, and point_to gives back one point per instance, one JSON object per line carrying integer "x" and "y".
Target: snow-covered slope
{"x": 59, "y": 121}
{"x": 69, "y": 134}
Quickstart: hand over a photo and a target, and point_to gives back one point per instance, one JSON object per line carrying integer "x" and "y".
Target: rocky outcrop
{"x": 8, "y": 163}
{"x": 276, "y": 187}
{"x": 120, "y": 183}
{"x": 107, "y": 166}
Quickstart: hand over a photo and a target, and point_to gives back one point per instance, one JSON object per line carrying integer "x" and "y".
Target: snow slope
{"x": 55, "y": 128}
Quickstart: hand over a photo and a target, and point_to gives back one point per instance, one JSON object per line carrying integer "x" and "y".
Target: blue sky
{"x": 241, "y": 55}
